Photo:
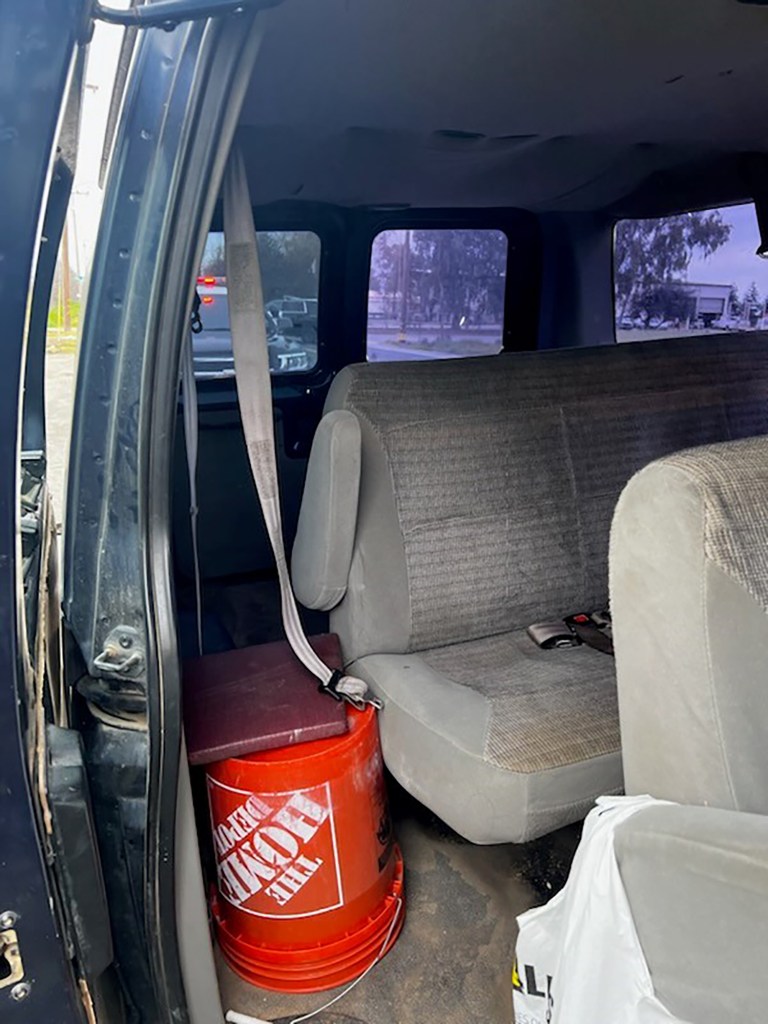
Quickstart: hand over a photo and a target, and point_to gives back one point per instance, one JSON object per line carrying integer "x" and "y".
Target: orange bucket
{"x": 310, "y": 881}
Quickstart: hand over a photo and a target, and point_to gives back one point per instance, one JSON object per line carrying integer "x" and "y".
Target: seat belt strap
{"x": 254, "y": 394}
{"x": 191, "y": 434}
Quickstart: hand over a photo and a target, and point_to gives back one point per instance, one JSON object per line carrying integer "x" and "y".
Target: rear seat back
{"x": 486, "y": 493}
{"x": 488, "y": 484}
{"x": 689, "y": 585}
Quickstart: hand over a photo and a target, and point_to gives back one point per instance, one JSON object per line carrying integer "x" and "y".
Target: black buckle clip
{"x": 331, "y": 687}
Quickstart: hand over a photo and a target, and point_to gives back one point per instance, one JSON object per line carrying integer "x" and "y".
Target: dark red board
{"x": 257, "y": 698}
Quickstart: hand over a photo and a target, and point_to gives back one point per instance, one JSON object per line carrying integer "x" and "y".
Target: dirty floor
{"x": 452, "y": 962}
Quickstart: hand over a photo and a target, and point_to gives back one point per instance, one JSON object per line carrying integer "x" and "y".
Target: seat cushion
{"x": 502, "y": 740}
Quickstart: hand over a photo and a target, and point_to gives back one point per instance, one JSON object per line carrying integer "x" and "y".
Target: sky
{"x": 85, "y": 205}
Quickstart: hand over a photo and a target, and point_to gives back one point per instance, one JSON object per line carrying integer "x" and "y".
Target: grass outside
{"x": 62, "y": 331}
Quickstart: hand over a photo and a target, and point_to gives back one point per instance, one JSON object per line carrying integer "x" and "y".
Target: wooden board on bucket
{"x": 257, "y": 698}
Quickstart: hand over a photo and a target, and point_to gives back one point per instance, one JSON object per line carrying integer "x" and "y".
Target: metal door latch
{"x": 123, "y": 653}
{"x": 11, "y": 966}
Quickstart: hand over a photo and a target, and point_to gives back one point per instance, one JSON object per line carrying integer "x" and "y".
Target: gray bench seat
{"x": 535, "y": 729}
{"x": 486, "y": 490}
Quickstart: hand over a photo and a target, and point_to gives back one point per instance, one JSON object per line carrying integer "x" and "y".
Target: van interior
{"x": 508, "y": 255}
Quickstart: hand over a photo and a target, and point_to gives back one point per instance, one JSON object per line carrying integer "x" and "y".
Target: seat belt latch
{"x": 553, "y": 634}
{"x": 593, "y": 630}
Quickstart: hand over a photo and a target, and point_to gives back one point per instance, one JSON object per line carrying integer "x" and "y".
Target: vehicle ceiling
{"x": 627, "y": 106}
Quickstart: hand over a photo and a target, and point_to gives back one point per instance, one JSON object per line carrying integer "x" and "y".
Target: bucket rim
{"x": 322, "y": 965}
{"x": 328, "y": 745}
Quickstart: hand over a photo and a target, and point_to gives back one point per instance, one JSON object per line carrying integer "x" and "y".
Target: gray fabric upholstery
{"x": 697, "y": 883}
{"x": 502, "y": 475}
{"x": 502, "y": 740}
{"x": 487, "y": 489}
{"x": 689, "y": 592}
{"x": 548, "y": 709}
{"x": 322, "y": 551}
{"x": 689, "y": 595}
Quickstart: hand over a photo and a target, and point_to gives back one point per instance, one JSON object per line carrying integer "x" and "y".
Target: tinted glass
{"x": 290, "y": 267}
{"x": 436, "y": 293}
{"x": 214, "y": 311}
{"x": 689, "y": 274}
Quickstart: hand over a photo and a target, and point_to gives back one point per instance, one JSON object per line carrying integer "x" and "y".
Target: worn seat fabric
{"x": 689, "y": 585}
{"x": 486, "y": 492}
{"x": 689, "y": 594}
{"x": 530, "y": 728}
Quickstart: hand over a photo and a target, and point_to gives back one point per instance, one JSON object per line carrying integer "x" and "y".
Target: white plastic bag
{"x": 578, "y": 958}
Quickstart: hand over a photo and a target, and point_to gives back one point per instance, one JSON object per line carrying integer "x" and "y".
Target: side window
{"x": 436, "y": 293}
{"x": 689, "y": 274}
{"x": 290, "y": 269}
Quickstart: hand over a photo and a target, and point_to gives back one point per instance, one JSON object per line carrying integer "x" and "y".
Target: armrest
{"x": 322, "y": 552}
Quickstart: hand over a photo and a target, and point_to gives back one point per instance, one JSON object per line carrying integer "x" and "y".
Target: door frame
{"x": 41, "y": 52}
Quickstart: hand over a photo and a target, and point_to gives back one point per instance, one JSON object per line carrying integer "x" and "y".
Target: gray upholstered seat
{"x": 689, "y": 586}
{"x": 486, "y": 490}
{"x": 527, "y": 730}
{"x": 689, "y": 593}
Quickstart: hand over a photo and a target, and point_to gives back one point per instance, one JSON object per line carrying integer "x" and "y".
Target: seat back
{"x": 689, "y": 592}
{"x": 488, "y": 485}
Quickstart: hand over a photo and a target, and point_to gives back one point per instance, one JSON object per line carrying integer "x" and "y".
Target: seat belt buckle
{"x": 602, "y": 619}
{"x": 555, "y": 634}
{"x": 331, "y": 687}
{"x": 593, "y": 629}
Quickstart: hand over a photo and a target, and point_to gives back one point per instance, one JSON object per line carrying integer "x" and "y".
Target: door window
{"x": 290, "y": 267}
{"x": 689, "y": 274}
{"x": 436, "y": 293}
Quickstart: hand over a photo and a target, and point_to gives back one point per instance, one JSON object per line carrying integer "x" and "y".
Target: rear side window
{"x": 290, "y": 269}
{"x": 436, "y": 293}
{"x": 689, "y": 274}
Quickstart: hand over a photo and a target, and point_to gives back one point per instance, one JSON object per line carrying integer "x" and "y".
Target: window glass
{"x": 689, "y": 274}
{"x": 290, "y": 267}
{"x": 61, "y": 358}
{"x": 436, "y": 293}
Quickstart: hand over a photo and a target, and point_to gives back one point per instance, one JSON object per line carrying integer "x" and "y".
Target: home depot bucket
{"x": 310, "y": 881}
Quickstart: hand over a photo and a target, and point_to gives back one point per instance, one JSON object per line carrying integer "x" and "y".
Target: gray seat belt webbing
{"x": 254, "y": 393}
{"x": 189, "y": 397}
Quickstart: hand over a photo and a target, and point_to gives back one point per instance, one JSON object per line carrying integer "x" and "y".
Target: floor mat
{"x": 452, "y": 963}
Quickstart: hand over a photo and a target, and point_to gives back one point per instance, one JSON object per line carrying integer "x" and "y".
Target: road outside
{"x": 387, "y": 342}
{"x": 639, "y": 334}
{"x": 59, "y": 397}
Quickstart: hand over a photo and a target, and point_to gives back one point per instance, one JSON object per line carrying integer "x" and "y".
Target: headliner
{"x": 626, "y": 106}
